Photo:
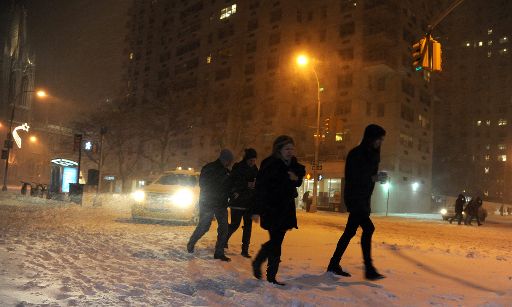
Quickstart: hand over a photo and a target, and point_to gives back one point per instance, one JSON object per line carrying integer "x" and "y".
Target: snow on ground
{"x": 56, "y": 253}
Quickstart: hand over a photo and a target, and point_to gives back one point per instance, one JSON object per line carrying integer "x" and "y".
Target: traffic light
{"x": 420, "y": 55}
{"x": 436, "y": 54}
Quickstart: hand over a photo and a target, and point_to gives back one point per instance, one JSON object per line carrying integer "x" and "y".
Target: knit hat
{"x": 280, "y": 142}
{"x": 250, "y": 153}
{"x": 373, "y": 132}
{"x": 226, "y": 155}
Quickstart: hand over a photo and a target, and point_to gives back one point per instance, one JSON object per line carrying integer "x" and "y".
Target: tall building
{"x": 16, "y": 80}
{"x": 473, "y": 136}
{"x": 228, "y": 70}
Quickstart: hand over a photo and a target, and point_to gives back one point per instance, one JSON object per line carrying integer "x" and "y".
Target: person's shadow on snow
{"x": 325, "y": 282}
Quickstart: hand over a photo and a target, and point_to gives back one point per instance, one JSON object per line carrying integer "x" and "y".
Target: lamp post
{"x": 8, "y": 142}
{"x": 303, "y": 60}
{"x": 387, "y": 186}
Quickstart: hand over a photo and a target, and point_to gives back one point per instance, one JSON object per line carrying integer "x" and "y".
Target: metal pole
{"x": 100, "y": 163}
{"x": 317, "y": 146}
{"x": 387, "y": 200}
{"x": 9, "y": 145}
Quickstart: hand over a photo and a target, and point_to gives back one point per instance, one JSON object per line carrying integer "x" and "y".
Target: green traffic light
{"x": 419, "y": 68}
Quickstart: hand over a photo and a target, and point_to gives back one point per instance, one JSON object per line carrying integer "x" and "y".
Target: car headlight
{"x": 139, "y": 196}
{"x": 443, "y": 211}
{"x": 183, "y": 198}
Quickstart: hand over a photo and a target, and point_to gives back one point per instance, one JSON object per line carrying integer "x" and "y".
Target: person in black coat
{"x": 472, "y": 211}
{"x": 243, "y": 179}
{"x": 361, "y": 169}
{"x": 276, "y": 190}
{"x": 215, "y": 185}
{"x": 459, "y": 207}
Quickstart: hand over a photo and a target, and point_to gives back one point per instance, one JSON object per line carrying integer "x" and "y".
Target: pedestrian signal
{"x": 420, "y": 59}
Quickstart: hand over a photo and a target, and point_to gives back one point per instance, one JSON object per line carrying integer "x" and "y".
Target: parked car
{"x": 173, "y": 196}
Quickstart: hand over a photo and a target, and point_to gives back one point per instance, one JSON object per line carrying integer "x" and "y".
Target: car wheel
{"x": 195, "y": 219}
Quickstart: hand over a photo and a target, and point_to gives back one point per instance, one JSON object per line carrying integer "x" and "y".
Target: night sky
{"x": 78, "y": 47}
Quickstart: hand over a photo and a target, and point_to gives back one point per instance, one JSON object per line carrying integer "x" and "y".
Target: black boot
{"x": 272, "y": 268}
{"x": 372, "y": 274}
{"x": 221, "y": 257}
{"x": 336, "y": 269}
{"x": 245, "y": 251}
{"x": 258, "y": 261}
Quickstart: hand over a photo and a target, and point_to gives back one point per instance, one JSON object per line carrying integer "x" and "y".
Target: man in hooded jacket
{"x": 361, "y": 173}
{"x": 243, "y": 178}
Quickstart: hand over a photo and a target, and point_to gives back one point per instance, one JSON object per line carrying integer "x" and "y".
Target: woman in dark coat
{"x": 276, "y": 190}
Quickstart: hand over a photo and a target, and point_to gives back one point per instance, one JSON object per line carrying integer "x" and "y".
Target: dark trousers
{"x": 236, "y": 217}
{"x": 458, "y": 217}
{"x": 271, "y": 250}
{"x": 470, "y": 216}
{"x": 356, "y": 219}
{"x": 205, "y": 220}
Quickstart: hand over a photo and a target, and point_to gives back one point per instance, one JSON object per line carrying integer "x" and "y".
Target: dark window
{"x": 276, "y": 15}
{"x": 252, "y": 25}
{"x": 250, "y": 68}
{"x": 407, "y": 87}
{"x": 344, "y": 107}
{"x": 223, "y": 73}
{"x": 347, "y": 5}
{"x": 226, "y": 31}
{"x": 250, "y": 47}
{"x": 274, "y": 39}
{"x": 345, "y": 80}
{"x": 346, "y": 54}
{"x": 380, "y": 110}
{"x": 347, "y": 29}
{"x": 272, "y": 63}
{"x": 407, "y": 113}
{"x": 180, "y": 50}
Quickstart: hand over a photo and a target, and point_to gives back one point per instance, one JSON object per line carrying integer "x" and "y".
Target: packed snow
{"x": 61, "y": 254}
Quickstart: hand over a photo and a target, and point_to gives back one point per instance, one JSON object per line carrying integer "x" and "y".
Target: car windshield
{"x": 178, "y": 179}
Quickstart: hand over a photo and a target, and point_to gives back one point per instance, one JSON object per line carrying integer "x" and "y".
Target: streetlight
{"x": 9, "y": 143}
{"x": 302, "y": 61}
{"x": 386, "y": 187}
{"x": 33, "y": 139}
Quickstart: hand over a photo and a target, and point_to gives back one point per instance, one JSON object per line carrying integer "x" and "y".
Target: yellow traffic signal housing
{"x": 436, "y": 55}
{"x": 420, "y": 54}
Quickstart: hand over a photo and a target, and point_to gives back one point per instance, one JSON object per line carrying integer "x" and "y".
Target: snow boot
{"x": 245, "y": 251}
{"x": 336, "y": 269}
{"x": 190, "y": 247}
{"x": 258, "y": 261}
{"x": 222, "y": 258}
{"x": 372, "y": 274}
{"x": 272, "y": 268}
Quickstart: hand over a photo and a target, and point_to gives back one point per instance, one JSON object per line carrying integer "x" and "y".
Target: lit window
{"x": 468, "y": 44}
{"x": 355, "y": 3}
{"x": 488, "y": 122}
{"x": 487, "y": 157}
{"x": 503, "y": 40}
{"x": 502, "y": 146}
{"x": 478, "y": 122}
{"x": 209, "y": 59}
{"x": 489, "y": 54}
{"x": 131, "y": 55}
{"x": 480, "y": 44}
{"x": 227, "y": 11}
{"x": 502, "y": 122}
{"x": 486, "y": 193}
{"x": 502, "y": 158}
{"x": 488, "y": 147}
{"x": 489, "y": 43}
{"x": 486, "y": 170}
{"x": 489, "y": 32}
{"x": 339, "y": 137}
{"x": 504, "y": 51}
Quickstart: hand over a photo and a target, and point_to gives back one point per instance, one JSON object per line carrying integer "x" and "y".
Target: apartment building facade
{"x": 228, "y": 69}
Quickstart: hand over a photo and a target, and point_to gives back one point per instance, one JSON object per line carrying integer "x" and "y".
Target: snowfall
{"x": 62, "y": 254}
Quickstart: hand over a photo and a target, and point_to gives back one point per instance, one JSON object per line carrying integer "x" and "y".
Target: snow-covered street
{"x": 67, "y": 255}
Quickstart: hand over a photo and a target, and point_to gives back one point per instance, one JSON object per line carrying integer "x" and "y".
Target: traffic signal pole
{"x": 443, "y": 15}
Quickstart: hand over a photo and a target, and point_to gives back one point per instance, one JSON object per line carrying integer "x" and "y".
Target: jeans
{"x": 236, "y": 218}
{"x": 205, "y": 220}
{"x": 356, "y": 219}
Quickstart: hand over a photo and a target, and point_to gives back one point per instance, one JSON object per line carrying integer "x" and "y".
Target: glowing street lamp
{"x": 33, "y": 139}
{"x": 303, "y": 61}
{"x": 41, "y": 94}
